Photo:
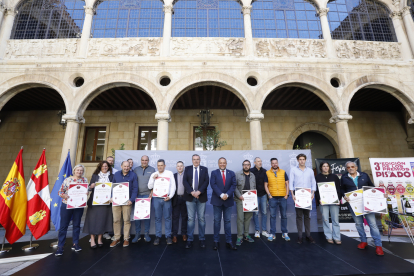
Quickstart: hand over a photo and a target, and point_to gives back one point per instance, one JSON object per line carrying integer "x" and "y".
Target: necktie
{"x": 196, "y": 179}
{"x": 224, "y": 178}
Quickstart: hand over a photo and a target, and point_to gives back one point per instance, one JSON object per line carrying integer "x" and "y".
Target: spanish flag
{"x": 13, "y": 202}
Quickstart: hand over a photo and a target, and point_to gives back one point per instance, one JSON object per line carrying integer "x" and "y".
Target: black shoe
{"x": 231, "y": 246}
{"x": 169, "y": 241}
{"x": 100, "y": 245}
{"x": 157, "y": 241}
{"x": 216, "y": 245}
{"x": 202, "y": 244}
{"x": 310, "y": 239}
{"x": 94, "y": 246}
{"x": 189, "y": 244}
{"x": 300, "y": 240}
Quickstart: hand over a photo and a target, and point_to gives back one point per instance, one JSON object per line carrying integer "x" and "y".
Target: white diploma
{"x": 374, "y": 200}
{"x": 250, "y": 201}
{"x": 356, "y": 202}
{"x": 78, "y": 195}
{"x": 328, "y": 194}
{"x": 102, "y": 194}
{"x": 161, "y": 187}
{"x": 303, "y": 198}
{"x": 120, "y": 193}
{"x": 142, "y": 208}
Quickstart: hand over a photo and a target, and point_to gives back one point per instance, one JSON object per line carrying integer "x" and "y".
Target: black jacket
{"x": 327, "y": 178}
{"x": 203, "y": 181}
{"x": 94, "y": 179}
{"x": 348, "y": 185}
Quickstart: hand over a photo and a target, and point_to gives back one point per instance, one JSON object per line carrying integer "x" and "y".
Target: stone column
{"x": 256, "y": 142}
{"x": 2, "y": 10}
{"x": 166, "y": 37}
{"x": 248, "y": 33}
{"x": 326, "y": 31}
{"x": 6, "y": 29}
{"x": 86, "y": 31}
{"x": 409, "y": 25}
{"x": 344, "y": 138}
{"x": 163, "y": 119}
{"x": 401, "y": 37}
{"x": 70, "y": 142}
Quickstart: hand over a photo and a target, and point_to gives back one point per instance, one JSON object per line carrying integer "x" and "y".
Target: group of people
{"x": 187, "y": 198}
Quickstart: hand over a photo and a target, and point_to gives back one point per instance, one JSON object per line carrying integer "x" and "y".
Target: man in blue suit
{"x": 223, "y": 182}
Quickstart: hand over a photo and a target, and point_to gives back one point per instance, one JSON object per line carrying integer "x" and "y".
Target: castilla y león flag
{"x": 38, "y": 200}
{"x": 13, "y": 202}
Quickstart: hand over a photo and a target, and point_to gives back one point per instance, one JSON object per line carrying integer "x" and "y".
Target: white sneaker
{"x": 286, "y": 237}
{"x": 257, "y": 234}
{"x": 106, "y": 236}
{"x": 264, "y": 233}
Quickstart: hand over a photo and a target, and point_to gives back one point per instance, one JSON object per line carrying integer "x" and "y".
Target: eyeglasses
{"x": 350, "y": 167}
{"x": 246, "y": 165}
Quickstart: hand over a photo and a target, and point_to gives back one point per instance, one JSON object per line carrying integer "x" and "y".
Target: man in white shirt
{"x": 161, "y": 198}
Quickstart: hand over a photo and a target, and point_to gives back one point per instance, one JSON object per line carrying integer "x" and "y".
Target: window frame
{"x": 150, "y": 128}
{"x": 85, "y": 139}
{"x": 204, "y": 134}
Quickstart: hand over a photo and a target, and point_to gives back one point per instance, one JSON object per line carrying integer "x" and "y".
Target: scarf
{"x": 104, "y": 177}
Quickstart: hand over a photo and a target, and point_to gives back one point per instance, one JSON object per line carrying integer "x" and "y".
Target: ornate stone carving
{"x": 396, "y": 3}
{"x": 2, "y": 7}
{"x": 190, "y": 46}
{"x": 246, "y": 9}
{"x": 323, "y": 12}
{"x": 357, "y": 49}
{"x": 276, "y": 47}
{"x": 41, "y": 48}
{"x": 168, "y": 9}
{"x": 89, "y": 10}
{"x": 10, "y": 11}
{"x": 254, "y": 116}
{"x": 118, "y": 47}
{"x": 340, "y": 118}
{"x": 395, "y": 15}
{"x": 406, "y": 11}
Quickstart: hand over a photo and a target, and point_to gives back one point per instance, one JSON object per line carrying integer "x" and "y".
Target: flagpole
{"x": 30, "y": 246}
{"x": 4, "y": 249}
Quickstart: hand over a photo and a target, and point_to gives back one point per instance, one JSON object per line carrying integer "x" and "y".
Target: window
{"x": 207, "y": 18}
{"x": 410, "y": 3}
{"x": 94, "y": 145}
{"x": 197, "y": 138}
{"x": 360, "y": 20}
{"x": 128, "y": 18}
{"x": 147, "y": 138}
{"x": 47, "y": 19}
{"x": 285, "y": 19}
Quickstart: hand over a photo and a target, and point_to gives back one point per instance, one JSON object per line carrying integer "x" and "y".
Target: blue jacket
{"x": 348, "y": 185}
{"x": 216, "y": 183}
{"x": 132, "y": 178}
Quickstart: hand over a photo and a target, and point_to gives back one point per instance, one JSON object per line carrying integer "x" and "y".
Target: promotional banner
{"x": 209, "y": 159}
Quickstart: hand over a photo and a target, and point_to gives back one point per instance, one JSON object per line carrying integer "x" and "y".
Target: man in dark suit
{"x": 179, "y": 205}
{"x": 223, "y": 182}
{"x": 196, "y": 181}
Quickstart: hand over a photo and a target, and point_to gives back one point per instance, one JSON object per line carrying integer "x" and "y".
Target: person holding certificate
{"x": 99, "y": 217}
{"x": 162, "y": 184}
{"x": 302, "y": 177}
{"x": 355, "y": 180}
{"x": 245, "y": 181}
{"x": 327, "y": 178}
{"x": 120, "y": 211}
{"x": 66, "y": 215}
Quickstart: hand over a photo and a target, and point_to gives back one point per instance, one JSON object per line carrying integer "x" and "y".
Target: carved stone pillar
{"x": 163, "y": 119}
{"x": 168, "y": 11}
{"x": 326, "y": 31}
{"x": 401, "y": 37}
{"x": 344, "y": 137}
{"x": 86, "y": 31}
{"x": 6, "y": 29}
{"x": 248, "y": 33}
{"x": 2, "y": 10}
{"x": 70, "y": 142}
{"x": 256, "y": 142}
{"x": 409, "y": 25}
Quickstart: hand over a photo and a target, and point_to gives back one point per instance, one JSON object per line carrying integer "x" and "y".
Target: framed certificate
{"x": 303, "y": 198}
{"x": 374, "y": 200}
{"x": 142, "y": 208}
{"x": 120, "y": 193}
{"x": 78, "y": 195}
{"x": 102, "y": 194}
{"x": 328, "y": 194}
{"x": 250, "y": 201}
{"x": 356, "y": 202}
{"x": 161, "y": 187}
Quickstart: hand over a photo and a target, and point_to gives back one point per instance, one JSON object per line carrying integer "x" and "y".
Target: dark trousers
{"x": 299, "y": 221}
{"x": 179, "y": 209}
{"x": 225, "y": 213}
{"x": 65, "y": 218}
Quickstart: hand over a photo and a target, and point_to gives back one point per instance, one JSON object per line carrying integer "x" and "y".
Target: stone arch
{"x": 209, "y": 78}
{"x": 319, "y": 87}
{"x": 320, "y": 128}
{"x": 95, "y": 87}
{"x": 386, "y": 84}
{"x": 15, "y": 85}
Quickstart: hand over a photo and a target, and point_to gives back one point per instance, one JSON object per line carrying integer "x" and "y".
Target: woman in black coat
{"x": 99, "y": 217}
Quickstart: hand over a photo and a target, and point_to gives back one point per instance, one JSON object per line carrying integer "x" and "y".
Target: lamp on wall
{"x": 62, "y": 121}
{"x": 205, "y": 116}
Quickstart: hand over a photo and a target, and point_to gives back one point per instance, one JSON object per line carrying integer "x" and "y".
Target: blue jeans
{"x": 273, "y": 204}
{"x": 192, "y": 208}
{"x": 219, "y": 212}
{"x": 262, "y": 202}
{"x": 335, "y": 233}
{"x": 372, "y": 222}
{"x": 146, "y": 222}
{"x": 162, "y": 208}
{"x": 65, "y": 218}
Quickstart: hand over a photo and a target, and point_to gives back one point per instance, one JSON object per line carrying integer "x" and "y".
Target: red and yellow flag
{"x": 13, "y": 202}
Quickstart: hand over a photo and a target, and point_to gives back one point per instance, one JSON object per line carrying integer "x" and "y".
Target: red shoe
{"x": 362, "y": 245}
{"x": 379, "y": 251}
